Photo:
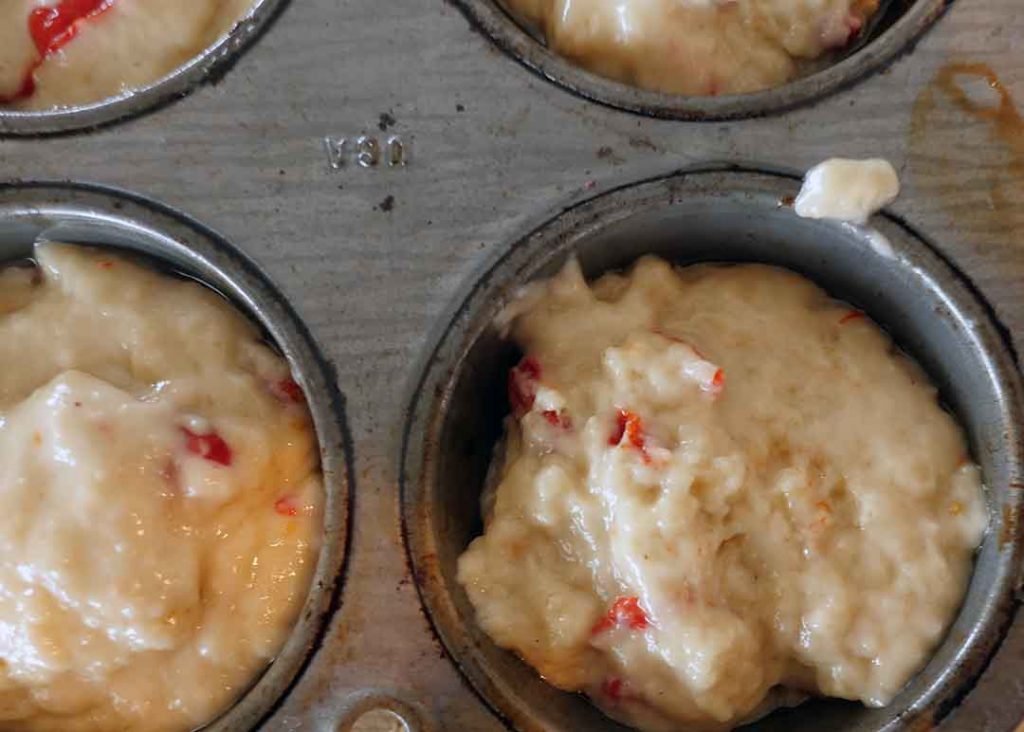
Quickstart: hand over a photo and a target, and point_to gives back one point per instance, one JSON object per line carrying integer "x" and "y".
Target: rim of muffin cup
{"x": 714, "y": 214}
{"x": 208, "y": 65}
{"x": 895, "y": 34}
{"x": 174, "y": 244}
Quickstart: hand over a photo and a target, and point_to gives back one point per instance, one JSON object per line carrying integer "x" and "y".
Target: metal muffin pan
{"x": 104, "y": 217}
{"x": 377, "y": 260}
{"x": 717, "y": 216}
{"x": 212, "y": 61}
{"x": 893, "y": 32}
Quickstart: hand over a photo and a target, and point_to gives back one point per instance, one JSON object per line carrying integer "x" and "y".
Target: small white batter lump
{"x": 160, "y": 498}
{"x": 847, "y": 190}
{"x": 702, "y": 47}
{"x": 62, "y": 53}
{"x": 716, "y": 482}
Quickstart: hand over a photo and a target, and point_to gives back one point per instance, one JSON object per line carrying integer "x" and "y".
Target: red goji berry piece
{"x": 285, "y": 506}
{"x": 209, "y": 447}
{"x": 624, "y": 611}
{"x": 288, "y": 390}
{"x": 612, "y": 688}
{"x": 522, "y": 385}
{"x": 557, "y": 418}
{"x": 718, "y": 382}
{"x": 53, "y": 26}
{"x": 628, "y": 426}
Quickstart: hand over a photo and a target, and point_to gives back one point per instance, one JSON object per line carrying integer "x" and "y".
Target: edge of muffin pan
{"x": 716, "y": 214}
{"x": 212, "y": 63}
{"x": 889, "y": 36}
{"x": 169, "y": 241}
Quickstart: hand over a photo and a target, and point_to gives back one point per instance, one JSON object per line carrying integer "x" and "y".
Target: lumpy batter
{"x": 703, "y": 47}
{"x": 716, "y": 482}
{"x": 160, "y": 498}
{"x": 62, "y": 53}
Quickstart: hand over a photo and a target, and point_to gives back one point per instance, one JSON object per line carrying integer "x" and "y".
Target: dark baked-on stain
{"x": 386, "y": 121}
{"x": 1009, "y": 530}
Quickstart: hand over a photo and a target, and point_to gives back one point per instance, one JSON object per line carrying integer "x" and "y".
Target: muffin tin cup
{"x": 112, "y": 219}
{"x": 716, "y": 215}
{"x": 211, "y": 62}
{"x": 894, "y": 34}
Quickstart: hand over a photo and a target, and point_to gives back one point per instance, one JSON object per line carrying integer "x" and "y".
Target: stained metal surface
{"x": 376, "y": 259}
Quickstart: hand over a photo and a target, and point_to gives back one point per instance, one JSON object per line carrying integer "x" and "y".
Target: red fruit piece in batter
{"x": 718, "y": 382}
{"x": 850, "y": 317}
{"x": 557, "y": 418}
{"x": 53, "y": 26}
{"x": 209, "y": 447}
{"x": 612, "y": 688}
{"x": 625, "y": 611}
{"x": 628, "y": 426}
{"x": 522, "y": 385}
{"x": 287, "y": 390}
{"x": 285, "y": 506}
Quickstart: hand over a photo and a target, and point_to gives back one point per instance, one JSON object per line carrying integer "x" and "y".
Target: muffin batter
{"x": 702, "y": 47}
{"x": 64, "y": 53}
{"x": 160, "y": 498}
{"x": 717, "y": 480}
{"x": 847, "y": 190}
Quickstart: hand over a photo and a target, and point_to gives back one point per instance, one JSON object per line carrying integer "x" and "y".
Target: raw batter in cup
{"x": 702, "y": 47}
{"x": 717, "y": 481}
{"x": 160, "y": 498}
{"x": 64, "y": 53}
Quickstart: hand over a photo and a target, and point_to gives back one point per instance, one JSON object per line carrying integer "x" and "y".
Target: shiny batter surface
{"x": 62, "y": 53}
{"x": 160, "y": 498}
{"x": 702, "y": 47}
{"x": 717, "y": 481}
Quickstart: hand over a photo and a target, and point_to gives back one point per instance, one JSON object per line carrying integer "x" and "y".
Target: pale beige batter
{"x": 718, "y": 480}
{"x": 160, "y": 498}
{"x": 702, "y": 47}
{"x": 126, "y": 46}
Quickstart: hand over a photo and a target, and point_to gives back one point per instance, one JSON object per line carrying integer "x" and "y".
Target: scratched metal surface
{"x": 374, "y": 259}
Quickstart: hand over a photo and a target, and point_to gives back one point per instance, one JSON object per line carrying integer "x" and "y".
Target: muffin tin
{"x": 715, "y": 215}
{"x": 391, "y": 269}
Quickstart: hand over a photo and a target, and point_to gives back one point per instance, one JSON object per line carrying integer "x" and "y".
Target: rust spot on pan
{"x": 923, "y": 723}
{"x": 961, "y": 97}
{"x": 1009, "y": 530}
{"x": 1006, "y": 121}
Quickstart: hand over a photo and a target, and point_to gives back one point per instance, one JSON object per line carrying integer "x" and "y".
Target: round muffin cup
{"x": 716, "y": 215}
{"x": 171, "y": 242}
{"x": 891, "y": 34}
{"x": 213, "y": 61}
